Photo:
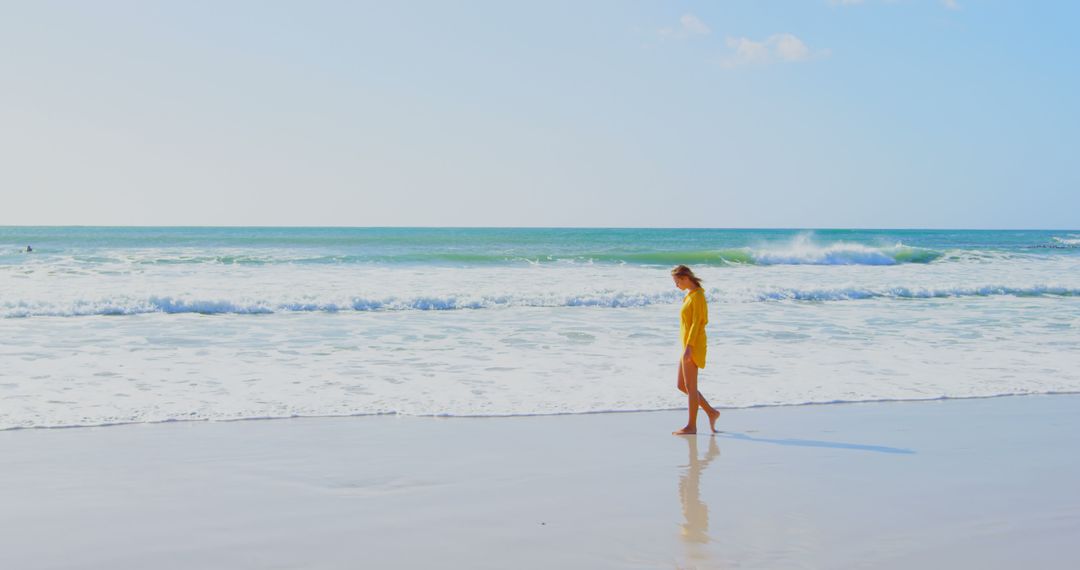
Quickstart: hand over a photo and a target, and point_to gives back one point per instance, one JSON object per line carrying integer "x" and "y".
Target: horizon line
{"x": 787, "y": 228}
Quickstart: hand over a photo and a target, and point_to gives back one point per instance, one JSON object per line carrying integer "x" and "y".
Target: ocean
{"x": 107, "y": 325}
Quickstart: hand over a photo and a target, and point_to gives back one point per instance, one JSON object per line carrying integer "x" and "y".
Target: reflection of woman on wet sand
{"x": 695, "y": 511}
{"x": 693, "y": 316}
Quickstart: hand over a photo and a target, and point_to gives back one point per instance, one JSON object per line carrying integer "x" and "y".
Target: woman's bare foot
{"x": 712, "y": 420}
{"x": 685, "y": 431}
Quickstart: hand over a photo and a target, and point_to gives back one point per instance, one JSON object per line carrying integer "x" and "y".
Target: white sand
{"x": 956, "y": 484}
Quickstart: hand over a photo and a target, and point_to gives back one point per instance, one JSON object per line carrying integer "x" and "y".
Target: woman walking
{"x": 693, "y": 316}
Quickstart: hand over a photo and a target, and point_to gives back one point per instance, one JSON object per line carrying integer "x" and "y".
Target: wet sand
{"x": 986, "y": 483}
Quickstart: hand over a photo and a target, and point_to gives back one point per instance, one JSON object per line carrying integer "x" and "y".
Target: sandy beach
{"x": 982, "y": 483}
{"x": 411, "y": 285}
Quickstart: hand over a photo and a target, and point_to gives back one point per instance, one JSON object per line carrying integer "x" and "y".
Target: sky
{"x": 738, "y": 113}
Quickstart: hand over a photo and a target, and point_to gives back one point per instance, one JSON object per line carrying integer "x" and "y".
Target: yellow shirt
{"x": 694, "y": 316}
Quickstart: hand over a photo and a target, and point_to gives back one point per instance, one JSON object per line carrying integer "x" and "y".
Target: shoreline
{"x": 535, "y": 415}
{"x": 942, "y": 483}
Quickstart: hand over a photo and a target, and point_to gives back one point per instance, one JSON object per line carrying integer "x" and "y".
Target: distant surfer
{"x": 693, "y": 317}
{"x": 29, "y": 249}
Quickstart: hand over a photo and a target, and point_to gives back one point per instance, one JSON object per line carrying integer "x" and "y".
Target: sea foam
{"x": 615, "y": 300}
{"x": 118, "y": 325}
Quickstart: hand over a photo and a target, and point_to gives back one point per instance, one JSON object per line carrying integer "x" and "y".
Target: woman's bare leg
{"x": 710, "y": 411}
{"x": 692, "y": 396}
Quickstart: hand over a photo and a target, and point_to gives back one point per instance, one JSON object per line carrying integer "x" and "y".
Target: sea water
{"x": 115, "y": 325}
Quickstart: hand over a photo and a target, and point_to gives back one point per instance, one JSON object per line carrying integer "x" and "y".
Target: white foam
{"x": 164, "y": 342}
{"x": 525, "y": 360}
{"x": 178, "y": 305}
{"x": 804, "y": 251}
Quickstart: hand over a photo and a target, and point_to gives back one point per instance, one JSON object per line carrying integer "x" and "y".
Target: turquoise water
{"x": 117, "y": 325}
{"x": 516, "y": 245}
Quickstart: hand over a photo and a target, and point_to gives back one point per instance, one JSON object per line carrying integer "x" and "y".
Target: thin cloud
{"x": 790, "y": 48}
{"x": 950, "y": 4}
{"x": 692, "y": 24}
{"x": 689, "y": 26}
{"x": 777, "y": 48}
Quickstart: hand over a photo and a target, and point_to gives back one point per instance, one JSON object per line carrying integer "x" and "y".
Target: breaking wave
{"x": 180, "y": 305}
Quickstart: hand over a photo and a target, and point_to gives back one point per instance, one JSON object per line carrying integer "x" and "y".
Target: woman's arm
{"x": 695, "y": 326}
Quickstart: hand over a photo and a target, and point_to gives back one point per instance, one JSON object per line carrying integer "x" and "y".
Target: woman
{"x": 694, "y": 317}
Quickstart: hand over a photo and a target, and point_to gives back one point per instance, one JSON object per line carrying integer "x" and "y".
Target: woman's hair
{"x": 682, "y": 270}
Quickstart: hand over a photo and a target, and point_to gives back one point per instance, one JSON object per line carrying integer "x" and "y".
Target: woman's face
{"x": 681, "y": 281}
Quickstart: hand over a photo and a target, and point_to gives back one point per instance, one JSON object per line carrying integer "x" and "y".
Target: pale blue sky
{"x": 903, "y": 113}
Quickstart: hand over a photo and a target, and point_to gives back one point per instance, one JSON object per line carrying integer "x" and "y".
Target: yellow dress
{"x": 694, "y": 316}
